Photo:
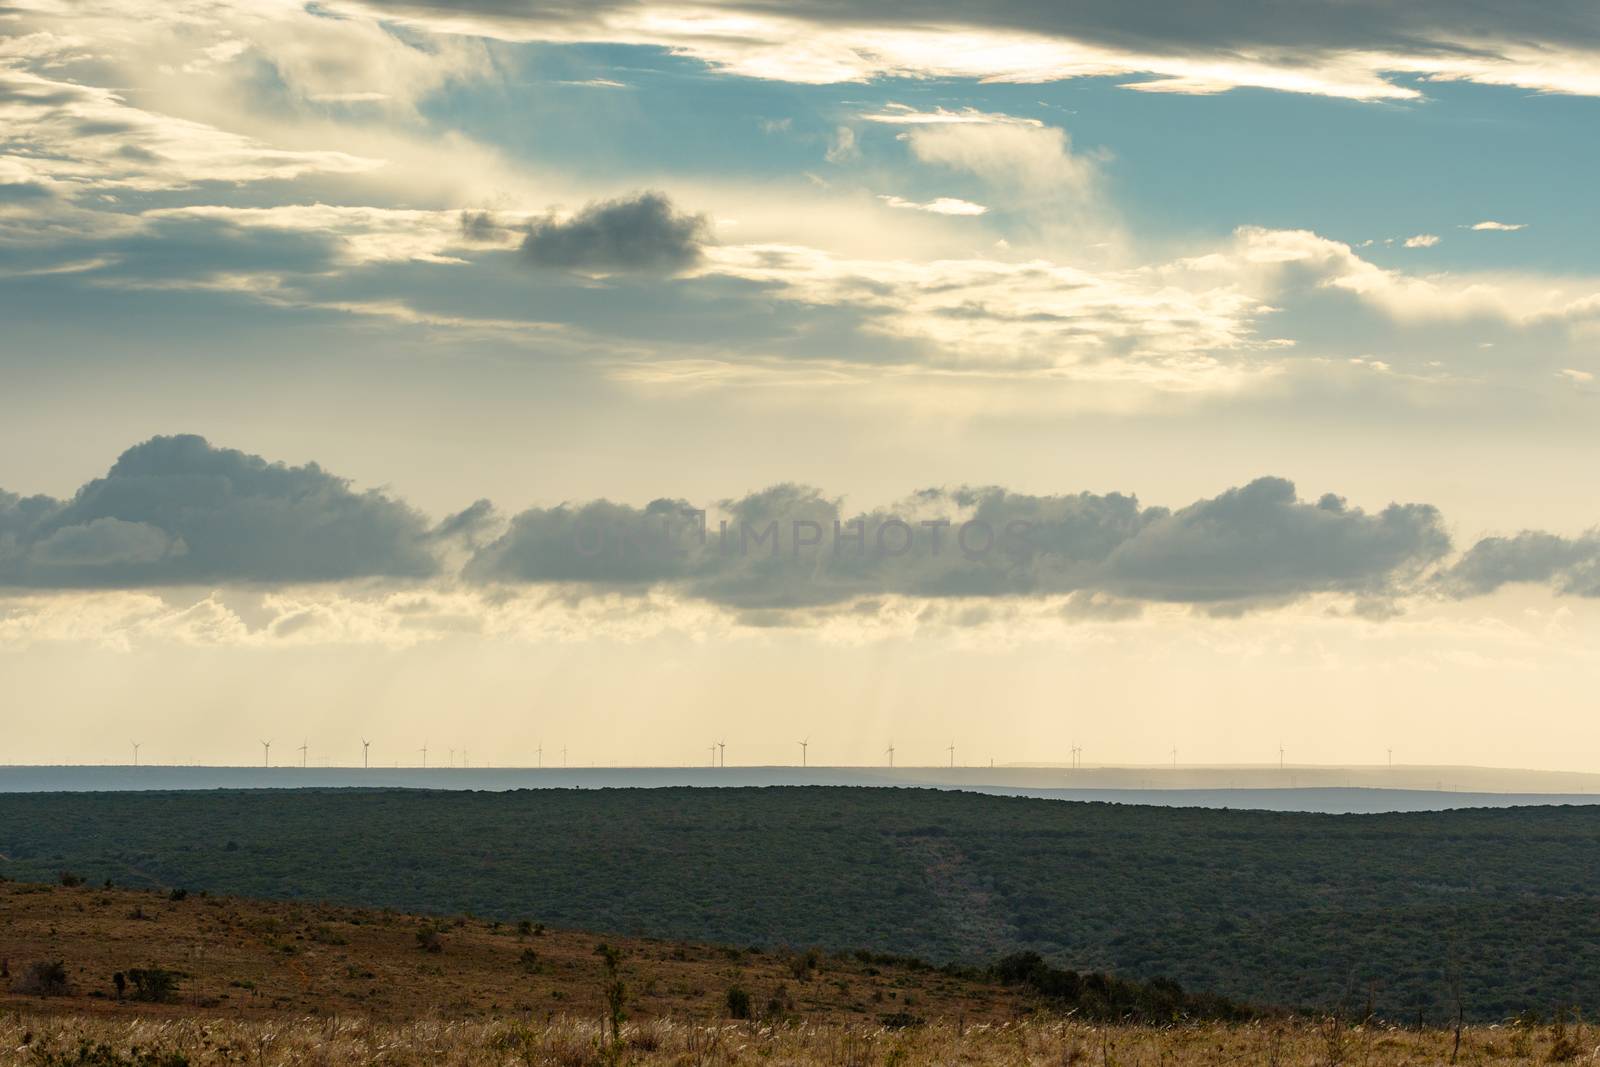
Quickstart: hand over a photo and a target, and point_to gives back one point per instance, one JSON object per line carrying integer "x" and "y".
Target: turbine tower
{"x": 1280, "y": 755}
{"x": 540, "y": 751}
{"x": 803, "y": 745}
{"x": 266, "y": 753}
{"x": 1174, "y": 757}
{"x": 722, "y": 753}
{"x": 303, "y": 746}
{"x": 713, "y": 748}
{"x": 1391, "y": 758}
{"x": 890, "y": 751}
{"x": 951, "y": 748}
{"x": 135, "y": 745}
{"x": 365, "y": 744}
{"x": 424, "y": 751}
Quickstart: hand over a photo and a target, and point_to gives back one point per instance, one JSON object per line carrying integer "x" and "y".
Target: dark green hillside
{"x": 1268, "y": 907}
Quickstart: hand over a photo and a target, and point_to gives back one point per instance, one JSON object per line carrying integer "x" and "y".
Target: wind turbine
{"x": 540, "y": 750}
{"x": 135, "y": 745}
{"x": 303, "y": 746}
{"x": 1280, "y": 755}
{"x": 1174, "y": 757}
{"x": 365, "y": 744}
{"x": 713, "y": 748}
{"x": 722, "y": 752}
{"x": 424, "y": 751}
{"x": 803, "y": 745}
{"x": 890, "y": 751}
{"x": 951, "y": 748}
{"x": 1391, "y": 758}
{"x": 266, "y": 753}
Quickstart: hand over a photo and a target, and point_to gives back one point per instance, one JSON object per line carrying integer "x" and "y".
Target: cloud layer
{"x": 178, "y": 511}
{"x": 1325, "y": 47}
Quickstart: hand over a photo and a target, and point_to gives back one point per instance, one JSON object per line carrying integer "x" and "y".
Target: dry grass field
{"x": 203, "y": 1038}
{"x": 266, "y": 983}
{"x": 251, "y": 958}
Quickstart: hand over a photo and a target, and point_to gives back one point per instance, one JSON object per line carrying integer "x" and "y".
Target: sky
{"x": 625, "y": 376}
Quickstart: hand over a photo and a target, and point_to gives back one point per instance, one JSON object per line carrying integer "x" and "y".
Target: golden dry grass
{"x": 568, "y": 1042}
{"x": 285, "y": 959}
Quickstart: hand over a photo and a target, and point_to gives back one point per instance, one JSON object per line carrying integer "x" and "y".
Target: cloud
{"x": 1008, "y": 152}
{"x": 943, "y": 205}
{"x": 175, "y": 510}
{"x": 644, "y": 233}
{"x": 82, "y": 139}
{"x": 791, "y": 547}
{"x": 1422, "y": 240}
{"x": 1489, "y": 224}
{"x": 1570, "y": 565}
{"x": 1358, "y": 50}
{"x": 843, "y": 148}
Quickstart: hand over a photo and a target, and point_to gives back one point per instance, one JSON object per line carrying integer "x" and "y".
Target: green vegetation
{"x": 1392, "y": 911}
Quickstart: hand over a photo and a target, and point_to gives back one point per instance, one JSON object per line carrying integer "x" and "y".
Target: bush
{"x": 70, "y": 880}
{"x": 156, "y": 985}
{"x": 529, "y": 960}
{"x": 428, "y": 940}
{"x": 46, "y": 978}
{"x": 804, "y": 964}
{"x": 738, "y": 1003}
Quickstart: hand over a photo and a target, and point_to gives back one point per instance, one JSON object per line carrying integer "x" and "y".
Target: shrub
{"x": 46, "y": 978}
{"x": 804, "y": 964}
{"x": 428, "y": 940}
{"x": 738, "y": 1003}
{"x": 529, "y": 961}
{"x": 178, "y": 894}
{"x": 70, "y": 880}
{"x": 156, "y": 985}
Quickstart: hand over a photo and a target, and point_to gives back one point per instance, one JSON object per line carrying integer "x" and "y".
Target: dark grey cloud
{"x": 790, "y": 547}
{"x": 1570, "y": 565}
{"x": 176, "y": 510}
{"x": 1259, "y": 541}
{"x": 644, "y": 234}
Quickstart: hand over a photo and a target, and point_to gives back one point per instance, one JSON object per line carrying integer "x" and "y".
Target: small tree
{"x": 156, "y": 985}
{"x": 738, "y": 1003}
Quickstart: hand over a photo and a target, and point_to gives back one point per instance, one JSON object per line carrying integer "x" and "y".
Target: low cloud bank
{"x": 179, "y": 511}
